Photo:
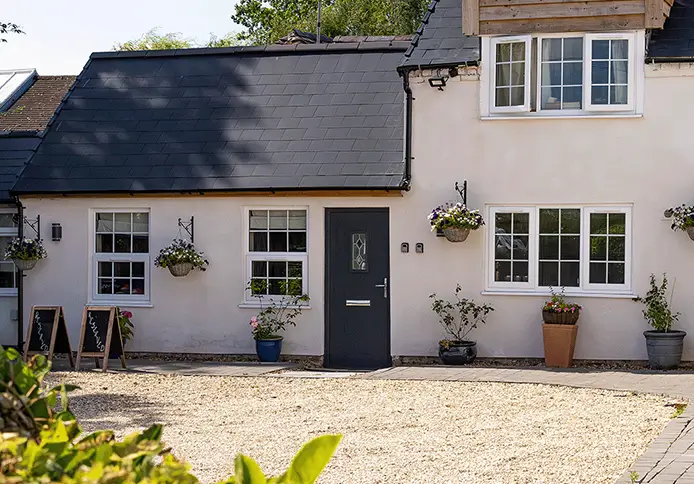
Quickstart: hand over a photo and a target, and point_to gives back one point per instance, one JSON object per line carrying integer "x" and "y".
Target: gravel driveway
{"x": 394, "y": 431}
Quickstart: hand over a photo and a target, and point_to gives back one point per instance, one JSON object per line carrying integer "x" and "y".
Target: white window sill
{"x": 254, "y": 305}
{"x": 506, "y": 117}
{"x": 519, "y": 292}
{"x": 8, "y": 293}
{"x": 123, "y": 304}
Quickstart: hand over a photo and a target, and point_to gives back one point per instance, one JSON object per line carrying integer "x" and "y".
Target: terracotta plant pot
{"x": 560, "y": 318}
{"x": 25, "y": 265}
{"x": 690, "y": 232}
{"x": 456, "y": 234}
{"x": 560, "y": 341}
{"x": 180, "y": 270}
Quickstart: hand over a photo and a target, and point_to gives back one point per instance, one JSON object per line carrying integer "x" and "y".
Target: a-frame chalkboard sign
{"x": 47, "y": 333}
{"x": 100, "y": 335}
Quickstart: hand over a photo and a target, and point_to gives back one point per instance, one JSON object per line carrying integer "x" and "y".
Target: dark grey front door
{"x": 357, "y": 288}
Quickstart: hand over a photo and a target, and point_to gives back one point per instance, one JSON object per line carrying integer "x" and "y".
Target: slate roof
{"x": 280, "y": 117}
{"x": 439, "y": 41}
{"x": 676, "y": 41}
{"x": 15, "y": 151}
{"x": 33, "y": 110}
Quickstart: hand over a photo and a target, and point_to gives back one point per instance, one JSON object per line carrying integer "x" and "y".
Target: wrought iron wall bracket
{"x": 462, "y": 191}
{"x": 189, "y": 227}
{"x": 34, "y": 224}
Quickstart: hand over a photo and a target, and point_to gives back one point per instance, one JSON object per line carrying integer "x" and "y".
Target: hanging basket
{"x": 690, "y": 232}
{"x": 25, "y": 265}
{"x": 180, "y": 270}
{"x": 456, "y": 234}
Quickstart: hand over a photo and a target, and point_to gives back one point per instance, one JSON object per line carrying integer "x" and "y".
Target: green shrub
{"x": 40, "y": 445}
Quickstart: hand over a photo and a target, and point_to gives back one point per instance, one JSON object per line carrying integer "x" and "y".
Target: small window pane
{"x": 297, "y": 241}
{"x": 140, "y": 244}
{"x": 549, "y": 247}
{"x": 571, "y": 221}
{"x": 278, "y": 242}
{"x": 503, "y": 223}
{"x": 503, "y": 247}
{"x": 518, "y": 74}
{"x": 297, "y": 219}
{"x": 620, "y": 49}
{"x": 551, "y": 98}
{"x": 618, "y": 223}
{"x": 138, "y": 286}
{"x": 258, "y": 219}
{"x": 599, "y": 95}
{"x": 573, "y": 48}
{"x": 258, "y": 242}
{"x": 573, "y": 73}
{"x": 121, "y": 286}
{"x": 551, "y": 74}
{"x": 570, "y": 247}
{"x": 105, "y": 269}
{"x": 123, "y": 244}
{"x": 359, "y": 255}
{"x": 259, "y": 268}
{"x": 570, "y": 274}
{"x": 601, "y": 49}
{"x": 503, "y": 74}
{"x": 619, "y": 95}
{"x": 517, "y": 96}
{"x": 295, "y": 269}
{"x": 521, "y": 223}
{"x": 615, "y": 273}
{"x": 503, "y": 52}
{"x": 549, "y": 273}
{"x": 598, "y": 248}
{"x": 517, "y": 51}
{"x": 258, "y": 286}
{"x": 551, "y": 49}
{"x": 277, "y": 269}
{"x": 104, "y": 243}
{"x": 598, "y": 223}
{"x": 141, "y": 222}
{"x": 105, "y": 286}
{"x": 572, "y": 97}
{"x": 104, "y": 222}
{"x": 123, "y": 222}
{"x": 520, "y": 271}
{"x": 615, "y": 248}
{"x": 7, "y": 272}
{"x": 619, "y": 71}
{"x": 278, "y": 219}
{"x": 598, "y": 273}
{"x": 520, "y": 247}
{"x": 276, "y": 287}
{"x": 599, "y": 73}
{"x": 503, "y": 97}
{"x": 121, "y": 269}
{"x": 138, "y": 269}
{"x": 549, "y": 221}
{"x": 503, "y": 272}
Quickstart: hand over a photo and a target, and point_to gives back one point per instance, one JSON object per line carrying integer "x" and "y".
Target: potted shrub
{"x": 663, "y": 344}
{"x": 683, "y": 219}
{"x": 559, "y": 330}
{"x": 455, "y": 220}
{"x": 275, "y": 316}
{"x": 458, "y": 319}
{"x": 25, "y": 253}
{"x": 180, "y": 257}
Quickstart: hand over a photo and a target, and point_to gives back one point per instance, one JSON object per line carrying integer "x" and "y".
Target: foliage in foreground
{"x": 8, "y": 28}
{"x": 39, "y": 445}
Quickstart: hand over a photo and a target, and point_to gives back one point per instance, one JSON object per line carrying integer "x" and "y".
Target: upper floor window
{"x": 569, "y": 74}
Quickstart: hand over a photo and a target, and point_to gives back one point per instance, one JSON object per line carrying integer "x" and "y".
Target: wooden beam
{"x": 508, "y": 3}
{"x": 563, "y": 10}
{"x": 654, "y": 14}
{"x": 280, "y": 194}
{"x": 471, "y": 19}
{"x": 585, "y": 24}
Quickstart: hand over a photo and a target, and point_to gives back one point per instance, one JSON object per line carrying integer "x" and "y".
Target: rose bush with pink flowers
{"x": 127, "y": 328}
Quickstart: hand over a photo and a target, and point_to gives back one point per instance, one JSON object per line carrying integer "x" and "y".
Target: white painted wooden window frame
{"x": 634, "y": 108}
{"x": 14, "y": 233}
{"x": 527, "y": 40}
{"x": 119, "y": 299}
{"x": 248, "y": 299}
{"x": 532, "y": 286}
{"x": 538, "y": 80}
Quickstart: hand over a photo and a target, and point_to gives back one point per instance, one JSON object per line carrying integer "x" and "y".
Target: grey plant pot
{"x": 25, "y": 265}
{"x": 690, "y": 232}
{"x": 456, "y": 234}
{"x": 664, "y": 349}
{"x": 180, "y": 270}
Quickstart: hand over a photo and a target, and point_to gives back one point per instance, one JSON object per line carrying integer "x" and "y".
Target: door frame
{"x": 326, "y": 282}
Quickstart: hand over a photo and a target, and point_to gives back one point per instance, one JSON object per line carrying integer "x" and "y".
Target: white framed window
{"x": 9, "y": 230}
{"x": 121, "y": 256}
{"x": 585, "y": 249}
{"x": 511, "y": 76}
{"x": 569, "y": 74}
{"x": 276, "y": 252}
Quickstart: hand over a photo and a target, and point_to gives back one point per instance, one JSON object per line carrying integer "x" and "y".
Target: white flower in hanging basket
{"x": 683, "y": 219}
{"x": 180, "y": 257}
{"x": 25, "y": 253}
{"x": 455, "y": 220}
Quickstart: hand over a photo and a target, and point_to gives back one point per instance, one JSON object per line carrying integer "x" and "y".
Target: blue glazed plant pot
{"x": 268, "y": 350}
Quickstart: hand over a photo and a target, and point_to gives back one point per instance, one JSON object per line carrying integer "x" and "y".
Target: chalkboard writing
{"x": 100, "y": 336}
{"x": 47, "y": 332}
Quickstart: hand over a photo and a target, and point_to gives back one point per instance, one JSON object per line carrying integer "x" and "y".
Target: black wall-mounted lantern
{"x": 438, "y": 82}
{"x": 56, "y": 232}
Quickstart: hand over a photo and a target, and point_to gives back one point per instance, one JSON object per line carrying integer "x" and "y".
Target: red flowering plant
{"x": 558, "y": 311}
{"x": 126, "y": 326}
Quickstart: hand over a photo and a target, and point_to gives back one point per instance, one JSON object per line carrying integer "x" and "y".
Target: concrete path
{"x": 197, "y": 368}
{"x": 669, "y": 459}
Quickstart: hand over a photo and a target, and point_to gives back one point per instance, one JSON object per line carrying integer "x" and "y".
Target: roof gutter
{"x": 407, "y": 179}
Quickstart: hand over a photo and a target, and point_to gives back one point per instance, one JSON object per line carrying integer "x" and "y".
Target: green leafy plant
{"x": 40, "y": 445}
{"x": 460, "y": 317}
{"x": 658, "y": 310}
{"x": 25, "y": 249}
{"x": 180, "y": 252}
{"x": 634, "y": 477}
{"x": 127, "y": 328}
{"x": 280, "y": 311}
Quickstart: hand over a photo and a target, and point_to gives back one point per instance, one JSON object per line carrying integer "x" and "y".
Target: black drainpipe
{"x": 407, "y": 180}
{"x": 20, "y": 280}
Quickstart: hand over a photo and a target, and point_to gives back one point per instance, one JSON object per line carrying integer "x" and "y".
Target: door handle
{"x": 385, "y": 287}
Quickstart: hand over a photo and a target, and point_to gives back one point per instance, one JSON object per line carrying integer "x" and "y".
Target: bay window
{"x": 276, "y": 252}
{"x": 581, "y": 248}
